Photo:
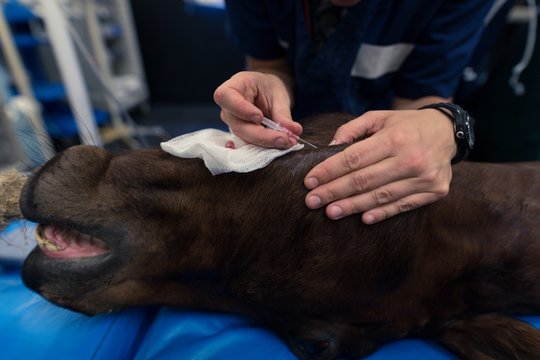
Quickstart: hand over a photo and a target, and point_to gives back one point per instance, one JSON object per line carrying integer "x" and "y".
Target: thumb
{"x": 285, "y": 120}
{"x": 362, "y": 126}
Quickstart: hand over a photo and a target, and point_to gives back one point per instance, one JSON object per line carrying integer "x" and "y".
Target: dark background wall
{"x": 185, "y": 50}
{"x": 508, "y": 126}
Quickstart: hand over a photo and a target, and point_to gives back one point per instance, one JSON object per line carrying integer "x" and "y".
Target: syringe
{"x": 275, "y": 126}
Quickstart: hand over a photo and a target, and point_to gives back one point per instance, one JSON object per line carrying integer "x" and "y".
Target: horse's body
{"x": 172, "y": 234}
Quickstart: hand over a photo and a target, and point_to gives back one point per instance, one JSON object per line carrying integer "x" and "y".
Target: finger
{"x": 360, "y": 127}
{"x": 259, "y": 135}
{"x": 356, "y": 156}
{"x": 291, "y": 125}
{"x": 235, "y": 104}
{"x": 357, "y": 182}
{"x": 367, "y": 201}
{"x": 397, "y": 207}
{"x": 373, "y": 201}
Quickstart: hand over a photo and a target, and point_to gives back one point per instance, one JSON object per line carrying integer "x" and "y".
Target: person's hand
{"x": 404, "y": 163}
{"x": 249, "y": 95}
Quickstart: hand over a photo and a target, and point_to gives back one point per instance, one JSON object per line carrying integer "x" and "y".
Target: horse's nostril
{"x": 315, "y": 348}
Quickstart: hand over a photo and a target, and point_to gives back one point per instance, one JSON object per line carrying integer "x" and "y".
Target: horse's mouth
{"x": 58, "y": 241}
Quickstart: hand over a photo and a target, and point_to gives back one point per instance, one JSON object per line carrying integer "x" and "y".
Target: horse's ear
{"x": 492, "y": 336}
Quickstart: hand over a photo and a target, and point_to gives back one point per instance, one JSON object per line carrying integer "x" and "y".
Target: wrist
{"x": 463, "y": 128}
{"x": 400, "y": 103}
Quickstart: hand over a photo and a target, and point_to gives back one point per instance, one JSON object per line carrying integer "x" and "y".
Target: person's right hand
{"x": 248, "y": 96}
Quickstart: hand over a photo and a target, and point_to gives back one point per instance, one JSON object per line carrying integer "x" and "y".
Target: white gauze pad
{"x": 209, "y": 145}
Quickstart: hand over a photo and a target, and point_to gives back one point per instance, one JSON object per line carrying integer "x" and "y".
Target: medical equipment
{"x": 275, "y": 126}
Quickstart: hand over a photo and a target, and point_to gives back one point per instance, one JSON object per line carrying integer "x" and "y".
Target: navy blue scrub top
{"x": 380, "y": 49}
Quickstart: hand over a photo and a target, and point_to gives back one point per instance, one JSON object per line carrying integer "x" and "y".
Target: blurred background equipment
{"x": 78, "y": 63}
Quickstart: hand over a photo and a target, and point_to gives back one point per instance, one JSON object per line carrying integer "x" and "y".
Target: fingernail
{"x": 312, "y": 183}
{"x": 332, "y": 143}
{"x": 334, "y": 212}
{"x": 280, "y": 143}
{"x": 369, "y": 219}
{"x": 314, "y": 202}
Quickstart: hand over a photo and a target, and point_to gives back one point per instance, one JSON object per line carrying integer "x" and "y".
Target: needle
{"x": 275, "y": 126}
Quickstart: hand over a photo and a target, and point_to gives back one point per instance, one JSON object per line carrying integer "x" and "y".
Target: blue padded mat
{"x": 191, "y": 335}
{"x": 176, "y": 334}
{"x": 32, "y": 328}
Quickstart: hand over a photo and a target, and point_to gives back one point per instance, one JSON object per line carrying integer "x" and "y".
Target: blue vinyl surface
{"x": 32, "y": 328}
{"x": 178, "y": 334}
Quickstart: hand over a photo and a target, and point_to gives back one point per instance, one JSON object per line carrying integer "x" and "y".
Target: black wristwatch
{"x": 463, "y": 128}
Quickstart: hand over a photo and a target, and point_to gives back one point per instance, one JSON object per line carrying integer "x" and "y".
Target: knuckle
{"x": 219, "y": 94}
{"x": 431, "y": 177}
{"x": 415, "y": 163}
{"x": 403, "y": 206}
{"x": 322, "y": 172}
{"x": 259, "y": 138}
{"x": 352, "y": 160}
{"x": 328, "y": 195}
{"x": 223, "y": 115}
{"x": 349, "y": 206}
{"x": 227, "y": 117}
{"x": 442, "y": 190}
{"x": 439, "y": 187}
{"x": 355, "y": 208}
{"x": 360, "y": 182}
{"x": 381, "y": 196}
{"x": 237, "y": 102}
{"x": 398, "y": 139}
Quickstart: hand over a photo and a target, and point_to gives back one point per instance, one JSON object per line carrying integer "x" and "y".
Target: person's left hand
{"x": 404, "y": 163}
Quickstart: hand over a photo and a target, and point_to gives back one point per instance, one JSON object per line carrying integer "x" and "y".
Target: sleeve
{"x": 443, "y": 50}
{"x": 252, "y": 30}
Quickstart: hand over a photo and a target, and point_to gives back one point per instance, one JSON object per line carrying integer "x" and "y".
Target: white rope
{"x": 514, "y": 81}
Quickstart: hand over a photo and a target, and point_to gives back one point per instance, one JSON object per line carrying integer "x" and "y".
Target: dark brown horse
{"x": 145, "y": 227}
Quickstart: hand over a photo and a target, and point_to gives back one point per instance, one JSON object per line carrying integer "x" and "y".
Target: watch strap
{"x": 463, "y": 127}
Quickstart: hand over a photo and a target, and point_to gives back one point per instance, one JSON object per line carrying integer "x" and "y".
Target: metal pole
{"x": 71, "y": 73}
